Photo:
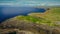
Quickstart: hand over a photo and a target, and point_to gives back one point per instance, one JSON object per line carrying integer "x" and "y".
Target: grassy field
{"x": 52, "y": 14}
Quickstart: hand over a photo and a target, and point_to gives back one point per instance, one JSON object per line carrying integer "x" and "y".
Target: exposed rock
{"x": 16, "y": 25}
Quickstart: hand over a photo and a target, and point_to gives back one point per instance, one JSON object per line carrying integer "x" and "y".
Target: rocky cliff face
{"x": 23, "y": 25}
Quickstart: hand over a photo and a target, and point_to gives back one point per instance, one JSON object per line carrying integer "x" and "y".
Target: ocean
{"x": 7, "y": 12}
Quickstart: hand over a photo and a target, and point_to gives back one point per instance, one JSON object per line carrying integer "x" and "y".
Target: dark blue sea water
{"x": 9, "y": 12}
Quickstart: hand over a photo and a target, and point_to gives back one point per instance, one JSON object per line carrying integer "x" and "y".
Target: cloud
{"x": 30, "y": 3}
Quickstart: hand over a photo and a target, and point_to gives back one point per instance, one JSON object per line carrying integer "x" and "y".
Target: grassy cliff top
{"x": 52, "y": 14}
{"x": 35, "y": 20}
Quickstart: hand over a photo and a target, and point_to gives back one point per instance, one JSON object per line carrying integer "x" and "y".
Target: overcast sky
{"x": 30, "y": 2}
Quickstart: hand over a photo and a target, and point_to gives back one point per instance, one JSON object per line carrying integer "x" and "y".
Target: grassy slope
{"x": 35, "y": 20}
{"x": 53, "y": 15}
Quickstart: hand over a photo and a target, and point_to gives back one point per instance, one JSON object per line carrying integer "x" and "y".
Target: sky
{"x": 30, "y": 2}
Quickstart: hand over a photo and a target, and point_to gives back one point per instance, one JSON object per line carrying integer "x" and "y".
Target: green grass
{"x": 53, "y": 15}
{"x": 35, "y": 20}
